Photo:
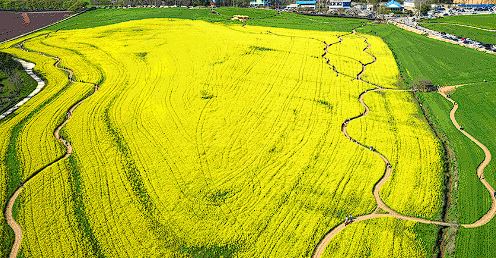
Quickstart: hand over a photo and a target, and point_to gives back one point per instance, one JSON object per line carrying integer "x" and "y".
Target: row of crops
{"x": 231, "y": 146}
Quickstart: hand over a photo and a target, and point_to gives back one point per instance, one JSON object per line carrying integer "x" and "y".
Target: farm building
{"x": 393, "y": 6}
{"x": 409, "y": 5}
{"x": 336, "y": 4}
{"x": 259, "y": 3}
{"x": 306, "y": 4}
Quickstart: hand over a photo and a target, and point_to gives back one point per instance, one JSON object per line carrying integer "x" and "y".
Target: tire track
{"x": 8, "y": 213}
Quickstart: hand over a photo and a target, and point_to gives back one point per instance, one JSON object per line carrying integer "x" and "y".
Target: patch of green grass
{"x": 77, "y": 196}
{"x": 427, "y": 235}
{"x": 486, "y": 21}
{"x": 470, "y": 190}
{"x": 141, "y": 55}
{"x": 483, "y": 36}
{"x": 269, "y": 18}
{"x": 219, "y": 196}
{"x": 476, "y": 113}
{"x": 325, "y": 103}
{"x": 419, "y": 57}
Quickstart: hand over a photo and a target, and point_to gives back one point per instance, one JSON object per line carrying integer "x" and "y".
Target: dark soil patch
{"x": 13, "y": 24}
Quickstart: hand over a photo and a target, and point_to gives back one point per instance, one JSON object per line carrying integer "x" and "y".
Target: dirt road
{"x": 480, "y": 170}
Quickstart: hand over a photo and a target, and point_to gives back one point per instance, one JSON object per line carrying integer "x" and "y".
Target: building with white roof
{"x": 259, "y": 3}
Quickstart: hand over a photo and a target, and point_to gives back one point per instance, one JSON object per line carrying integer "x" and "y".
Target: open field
{"x": 253, "y": 143}
{"x": 487, "y": 37}
{"x": 485, "y": 21}
{"x": 460, "y": 66}
{"x": 481, "y": 28}
{"x": 208, "y": 155}
{"x": 268, "y": 18}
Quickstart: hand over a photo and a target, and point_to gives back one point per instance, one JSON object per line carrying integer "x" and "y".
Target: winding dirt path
{"x": 69, "y": 150}
{"x": 480, "y": 170}
{"x": 383, "y": 210}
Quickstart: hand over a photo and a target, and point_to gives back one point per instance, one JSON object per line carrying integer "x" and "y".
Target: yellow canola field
{"x": 381, "y": 238}
{"x": 209, "y": 139}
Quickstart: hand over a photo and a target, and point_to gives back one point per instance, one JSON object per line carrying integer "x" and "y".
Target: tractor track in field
{"x": 8, "y": 212}
{"x": 383, "y": 210}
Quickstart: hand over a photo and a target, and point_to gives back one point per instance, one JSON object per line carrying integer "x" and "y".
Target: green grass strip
{"x": 77, "y": 196}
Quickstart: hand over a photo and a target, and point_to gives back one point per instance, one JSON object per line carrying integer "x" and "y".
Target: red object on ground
{"x": 25, "y": 18}
{"x": 13, "y": 24}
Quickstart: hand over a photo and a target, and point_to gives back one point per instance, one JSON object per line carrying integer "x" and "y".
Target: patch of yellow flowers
{"x": 214, "y": 139}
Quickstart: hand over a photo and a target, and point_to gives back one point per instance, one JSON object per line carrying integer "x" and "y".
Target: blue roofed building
{"x": 393, "y": 6}
{"x": 306, "y": 4}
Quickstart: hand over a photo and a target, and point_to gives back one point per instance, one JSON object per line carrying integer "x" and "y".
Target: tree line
{"x": 170, "y": 2}
{"x": 41, "y": 5}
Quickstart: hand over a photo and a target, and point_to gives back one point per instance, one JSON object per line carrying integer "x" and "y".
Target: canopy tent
{"x": 393, "y": 5}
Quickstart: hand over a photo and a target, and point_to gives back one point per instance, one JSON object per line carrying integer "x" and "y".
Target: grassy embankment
{"x": 15, "y": 84}
{"x": 470, "y": 26}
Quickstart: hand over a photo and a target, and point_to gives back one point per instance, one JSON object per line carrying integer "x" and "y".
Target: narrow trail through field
{"x": 383, "y": 210}
{"x": 480, "y": 170}
{"x": 12, "y": 200}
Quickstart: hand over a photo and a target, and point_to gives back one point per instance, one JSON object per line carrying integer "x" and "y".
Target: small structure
{"x": 259, "y": 3}
{"x": 349, "y": 219}
{"x": 292, "y": 6}
{"x": 393, "y": 6}
{"x": 409, "y": 5}
{"x": 336, "y": 4}
{"x": 241, "y": 18}
{"x": 306, "y": 4}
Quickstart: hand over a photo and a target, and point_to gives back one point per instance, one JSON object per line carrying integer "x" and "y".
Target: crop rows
{"x": 228, "y": 146}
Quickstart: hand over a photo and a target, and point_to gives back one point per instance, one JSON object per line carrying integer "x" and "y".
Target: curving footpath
{"x": 69, "y": 150}
{"x": 480, "y": 170}
{"x": 387, "y": 212}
